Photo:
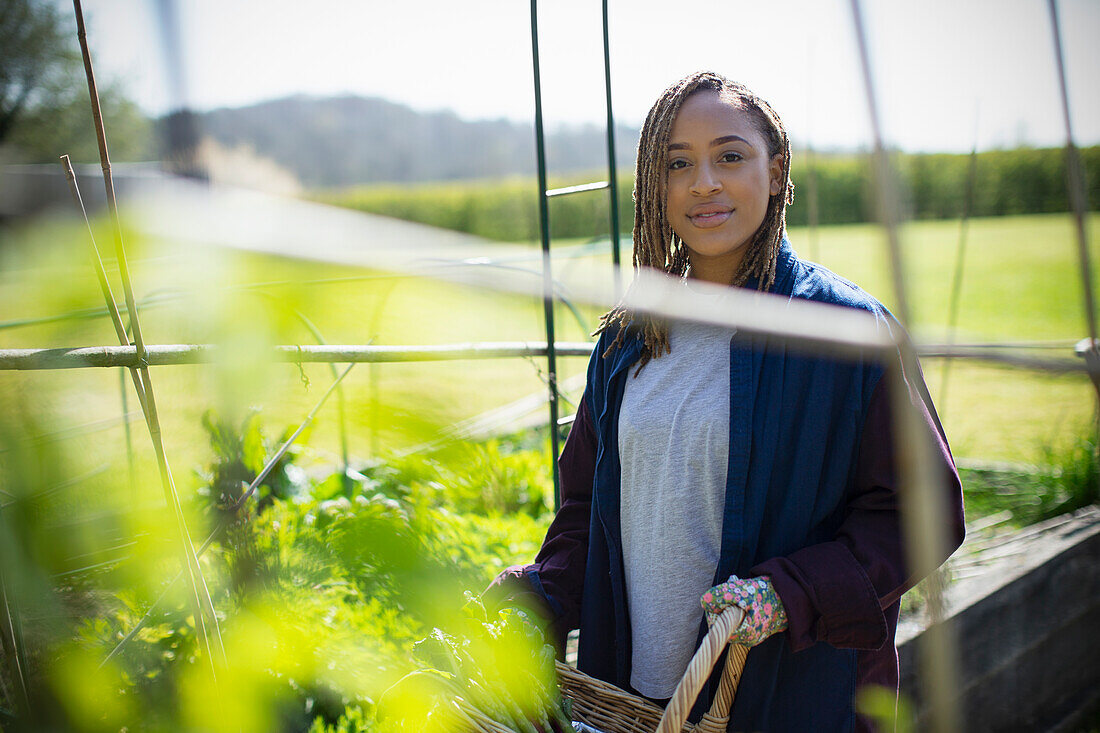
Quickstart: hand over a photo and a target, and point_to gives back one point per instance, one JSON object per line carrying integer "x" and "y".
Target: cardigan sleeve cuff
{"x": 828, "y": 597}
{"x": 519, "y": 586}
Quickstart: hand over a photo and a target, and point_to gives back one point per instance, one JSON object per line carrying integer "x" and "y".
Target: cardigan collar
{"x": 784, "y": 270}
{"x": 784, "y": 283}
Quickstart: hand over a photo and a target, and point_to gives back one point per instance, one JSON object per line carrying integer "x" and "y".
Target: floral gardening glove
{"x": 764, "y": 612}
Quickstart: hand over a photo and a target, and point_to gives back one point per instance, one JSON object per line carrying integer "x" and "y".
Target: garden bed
{"x": 1022, "y": 608}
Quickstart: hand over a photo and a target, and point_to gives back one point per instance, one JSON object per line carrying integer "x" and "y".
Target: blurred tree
{"x": 36, "y": 56}
{"x": 44, "y": 110}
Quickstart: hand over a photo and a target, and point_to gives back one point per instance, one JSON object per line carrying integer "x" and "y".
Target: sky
{"x": 949, "y": 74}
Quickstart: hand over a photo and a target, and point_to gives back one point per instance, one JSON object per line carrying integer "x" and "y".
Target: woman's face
{"x": 720, "y": 177}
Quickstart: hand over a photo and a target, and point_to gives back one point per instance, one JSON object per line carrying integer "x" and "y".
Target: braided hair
{"x": 656, "y": 245}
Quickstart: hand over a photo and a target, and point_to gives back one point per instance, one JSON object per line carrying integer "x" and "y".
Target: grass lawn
{"x": 1021, "y": 284}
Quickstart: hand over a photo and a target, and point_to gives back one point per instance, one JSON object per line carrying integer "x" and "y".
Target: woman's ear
{"x": 775, "y": 171}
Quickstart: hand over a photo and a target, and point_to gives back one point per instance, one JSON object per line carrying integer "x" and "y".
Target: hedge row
{"x": 934, "y": 186}
{"x": 504, "y": 209}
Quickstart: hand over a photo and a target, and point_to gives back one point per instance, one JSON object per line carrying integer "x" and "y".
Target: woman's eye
{"x": 677, "y": 164}
{"x": 731, "y": 157}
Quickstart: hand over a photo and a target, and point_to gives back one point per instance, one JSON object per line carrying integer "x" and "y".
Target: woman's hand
{"x": 764, "y": 612}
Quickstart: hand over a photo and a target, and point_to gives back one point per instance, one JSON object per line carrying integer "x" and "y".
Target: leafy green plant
{"x": 492, "y": 478}
{"x": 501, "y": 665}
{"x": 353, "y": 720}
{"x": 1074, "y": 478}
{"x": 1069, "y": 479}
{"x": 239, "y": 455}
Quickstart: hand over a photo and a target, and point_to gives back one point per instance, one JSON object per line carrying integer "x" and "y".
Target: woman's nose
{"x": 705, "y": 182}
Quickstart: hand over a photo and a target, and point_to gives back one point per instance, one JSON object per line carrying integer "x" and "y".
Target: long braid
{"x": 656, "y": 245}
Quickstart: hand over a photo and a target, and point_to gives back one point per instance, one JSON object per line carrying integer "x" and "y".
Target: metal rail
{"x": 1075, "y": 182}
{"x": 960, "y": 260}
{"x": 612, "y": 173}
{"x": 545, "y": 194}
{"x": 547, "y": 276}
{"x": 922, "y": 505}
{"x": 176, "y": 354}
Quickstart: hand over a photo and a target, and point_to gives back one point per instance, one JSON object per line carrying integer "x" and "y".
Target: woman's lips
{"x": 710, "y": 219}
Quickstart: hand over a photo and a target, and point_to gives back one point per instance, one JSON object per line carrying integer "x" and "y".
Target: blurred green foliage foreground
{"x": 321, "y": 586}
{"x": 323, "y": 583}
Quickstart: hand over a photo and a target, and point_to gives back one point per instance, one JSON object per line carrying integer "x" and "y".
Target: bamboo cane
{"x": 1075, "y": 181}
{"x": 200, "y": 594}
{"x": 373, "y": 389}
{"x": 120, "y": 331}
{"x": 128, "y": 434}
{"x": 101, "y": 276}
{"x": 11, "y": 634}
{"x": 174, "y": 354}
{"x": 66, "y": 484}
{"x": 960, "y": 258}
{"x": 922, "y": 506}
{"x": 80, "y": 313}
{"x": 1078, "y": 194}
{"x": 244, "y": 497}
{"x": 812, "y": 214}
{"x": 886, "y": 196}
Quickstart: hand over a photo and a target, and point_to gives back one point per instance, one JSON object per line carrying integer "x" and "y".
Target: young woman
{"x": 707, "y": 468}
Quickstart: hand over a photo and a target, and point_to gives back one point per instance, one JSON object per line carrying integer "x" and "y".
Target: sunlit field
{"x": 1020, "y": 284}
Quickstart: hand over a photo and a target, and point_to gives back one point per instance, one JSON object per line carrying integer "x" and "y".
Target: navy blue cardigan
{"x": 811, "y": 501}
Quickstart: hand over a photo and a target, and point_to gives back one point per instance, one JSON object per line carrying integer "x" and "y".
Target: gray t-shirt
{"x": 674, "y": 451}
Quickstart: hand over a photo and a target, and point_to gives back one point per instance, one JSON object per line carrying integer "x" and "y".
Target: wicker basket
{"x": 612, "y": 710}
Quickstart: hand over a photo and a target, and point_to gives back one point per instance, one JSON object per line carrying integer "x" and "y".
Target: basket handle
{"x": 699, "y": 670}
